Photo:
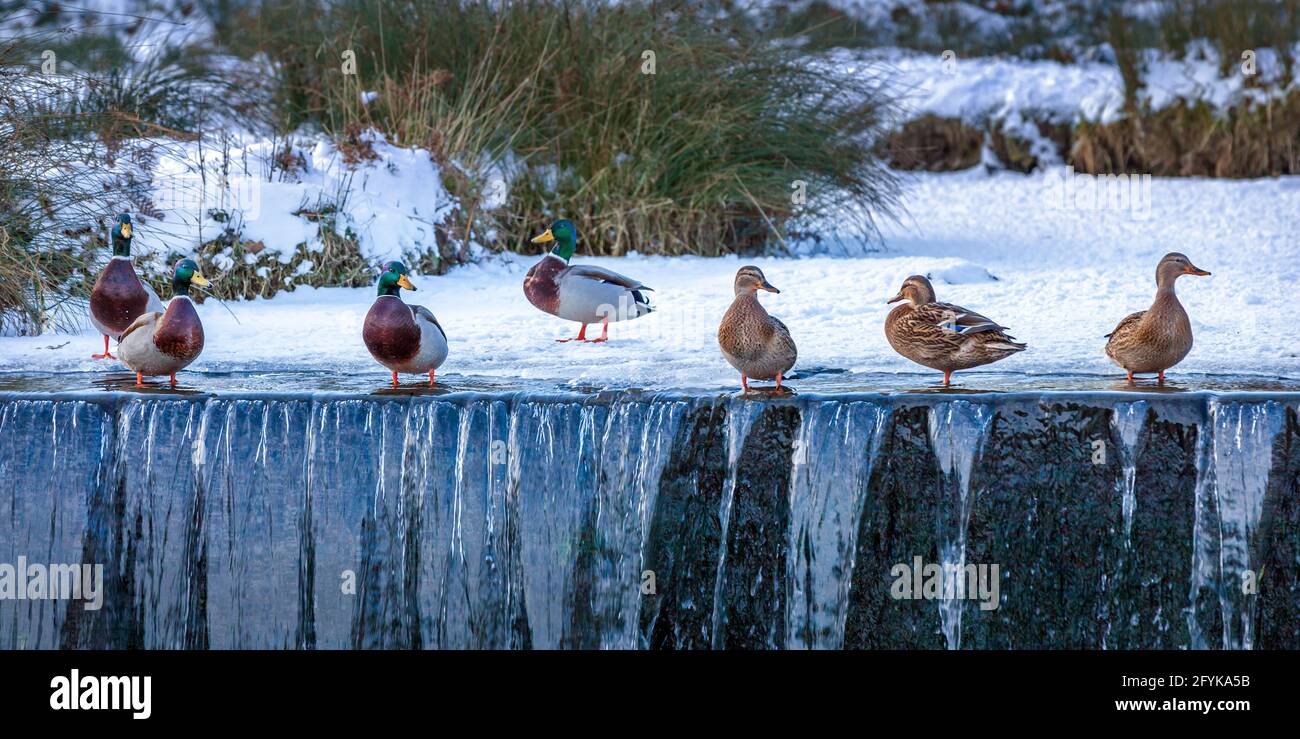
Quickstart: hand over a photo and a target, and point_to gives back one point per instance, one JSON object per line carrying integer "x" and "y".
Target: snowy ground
{"x": 1064, "y": 277}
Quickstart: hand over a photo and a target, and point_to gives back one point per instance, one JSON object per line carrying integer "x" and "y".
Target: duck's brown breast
{"x": 180, "y": 333}
{"x": 541, "y": 285}
{"x": 390, "y": 331}
{"x": 118, "y": 297}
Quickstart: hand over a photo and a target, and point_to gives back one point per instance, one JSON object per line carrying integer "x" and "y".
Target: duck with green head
{"x": 578, "y": 292}
{"x": 119, "y": 295}
{"x": 163, "y": 343}
{"x": 403, "y": 338}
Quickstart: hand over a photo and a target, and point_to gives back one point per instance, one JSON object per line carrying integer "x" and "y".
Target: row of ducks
{"x": 157, "y": 340}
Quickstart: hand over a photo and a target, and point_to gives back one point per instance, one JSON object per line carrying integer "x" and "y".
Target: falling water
{"x": 833, "y": 458}
{"x": 1128, "y": 420}
{"x": 740, "y": 418}
{"x": 957, "y": 432}
{"x": 517, "y": 521}
{"x": 1233, "y": 463}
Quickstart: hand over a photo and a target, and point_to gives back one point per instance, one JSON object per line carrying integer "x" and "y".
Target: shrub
{"x": 700, "y": 157}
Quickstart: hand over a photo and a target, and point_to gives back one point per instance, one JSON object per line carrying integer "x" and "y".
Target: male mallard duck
{"x": 403, "y": 338}
{"x": 119, "y": 295}
{"x": 943, "y": 336}
{"x": 1155, "y": 339}
{"x": 163, "y": 343}
{"x": 752, "y": 341}
{"x": 582, "y": 293}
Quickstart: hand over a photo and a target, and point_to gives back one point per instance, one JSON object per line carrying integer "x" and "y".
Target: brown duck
{"x": 119, "y": 295}
{"x": 755, "y": 343}
{"x": 943, "y": 336}
{"x": 1155, "y": 339}
{"x": 165, "y": 343}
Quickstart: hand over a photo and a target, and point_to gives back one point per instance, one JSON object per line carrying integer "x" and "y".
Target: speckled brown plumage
{"x": 944, "y": 336}
{"x": 752, "y": 341}
{"x": 1153, "y": 340}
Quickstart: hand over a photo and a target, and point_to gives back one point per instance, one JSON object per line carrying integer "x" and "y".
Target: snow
{"x": 980, "y": 89}
{"x": 391, "y": 204}
{"x": 1067, "y": 270}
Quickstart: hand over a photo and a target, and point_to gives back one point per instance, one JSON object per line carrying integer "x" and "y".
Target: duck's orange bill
{"x": 405, "y": 283}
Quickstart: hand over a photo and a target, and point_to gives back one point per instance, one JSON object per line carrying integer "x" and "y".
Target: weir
{"x": 632, "y": 520}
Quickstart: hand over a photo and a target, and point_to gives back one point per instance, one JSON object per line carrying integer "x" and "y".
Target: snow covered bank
{"x": 1066, "y": 273}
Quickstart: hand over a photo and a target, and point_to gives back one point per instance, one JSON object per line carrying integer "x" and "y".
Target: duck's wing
{"x": 422, "y": 313}
{"x": 155, "y": 303}
{"x": 144, "y": 320}
{"x": 592, "y": 272}
{"x": 1129, "y": 323}
{"x": 959, "y": 320}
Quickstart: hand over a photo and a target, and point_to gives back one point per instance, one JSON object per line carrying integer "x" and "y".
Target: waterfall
{"x": 1128, "y": 420}
{"x": 625, "y": 520}
{"x": 833, "y": 457}
{"x": 740, "y": 418}
{"x": 957, "y": 432}
{"x": 1234, "y": 457}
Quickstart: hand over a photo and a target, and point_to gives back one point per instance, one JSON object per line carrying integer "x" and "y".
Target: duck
{"x": 1155, "y": 339}
{"x": 165, "y": 342}
{"x": 119, "y": 295}
{"x": 943, "y": 336}
{"x": 581, "y": 292}
{"x": 403, "y": 338}
{"x": 757, "y": 344}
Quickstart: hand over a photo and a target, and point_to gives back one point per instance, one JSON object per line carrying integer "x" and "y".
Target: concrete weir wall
{"x": 664, "y": 521}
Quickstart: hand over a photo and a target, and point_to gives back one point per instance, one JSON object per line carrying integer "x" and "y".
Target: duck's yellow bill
{"x": 548, "y": 236}
{"x": 198, "y": 279}
{"x": 126, "y": 230}
{"x": 405, "y": 283}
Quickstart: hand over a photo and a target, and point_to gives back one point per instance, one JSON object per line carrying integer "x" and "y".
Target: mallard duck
{"x": 579, "y": 292}
{"x": 163, "y": 343}
{"x": 943, "y": 336}
{"x": 119, "y": 295}
{"x": 403, "y": 338}
{"x": 1155, "y": 339}
{"x": 755, "y": 343}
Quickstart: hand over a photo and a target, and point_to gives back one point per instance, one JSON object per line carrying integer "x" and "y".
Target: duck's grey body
{"x": 388, "y": 333}
{"x": 163, "y": 343}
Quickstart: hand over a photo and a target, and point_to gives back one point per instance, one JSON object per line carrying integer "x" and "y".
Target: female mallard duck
{"x": 165, "y": 343}
{"x": 752, "y": 341}
{"x": 581, "y": 293}
{"x": 403, "y": 338}
{"x": 119, "y": 296}
{"x": 1155, "y": 339}
{"x": 943, "y": 336}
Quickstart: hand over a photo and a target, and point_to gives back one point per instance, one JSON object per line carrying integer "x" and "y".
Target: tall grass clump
{"x": 72, "y": 154}
{"x": 706, "y": 155}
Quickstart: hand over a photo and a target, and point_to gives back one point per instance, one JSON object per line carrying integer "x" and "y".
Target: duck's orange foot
{"x": 394, "y": 379}
{"x": 430, "y": 378}
{"x": 139, "y": 379}
{"x": 601, "y": 340}
{"x": 582, "y": 336}
{"x": 105, "y": 355}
